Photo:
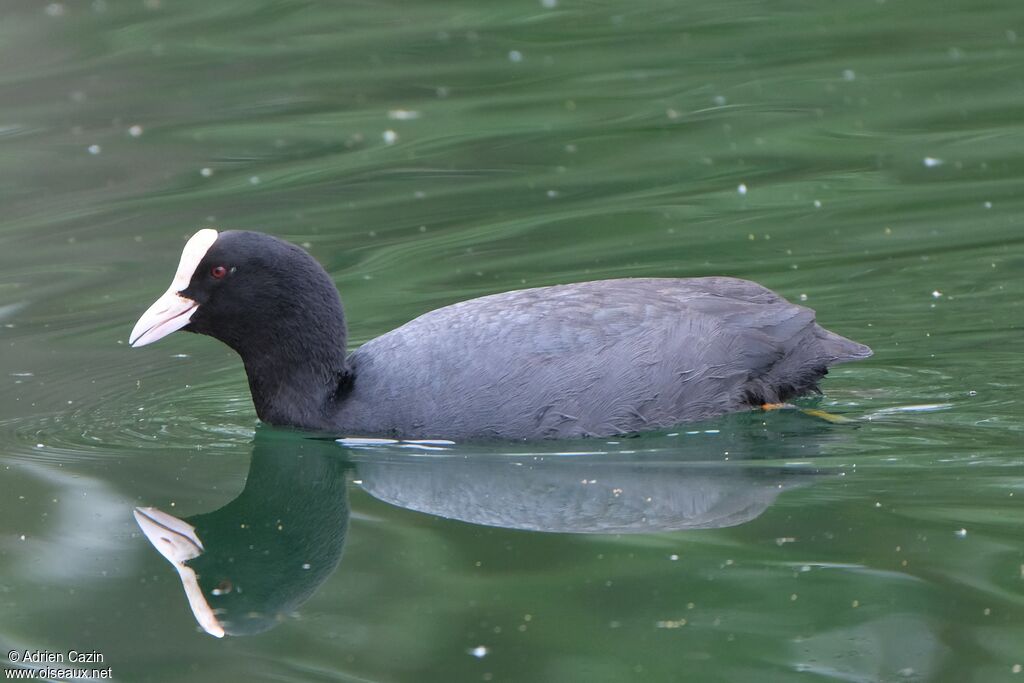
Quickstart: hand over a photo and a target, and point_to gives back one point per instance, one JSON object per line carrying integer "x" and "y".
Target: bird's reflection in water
{"x": 248, "y": 565}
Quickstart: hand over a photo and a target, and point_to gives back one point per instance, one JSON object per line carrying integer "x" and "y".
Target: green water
{"x": 864, "y": 156}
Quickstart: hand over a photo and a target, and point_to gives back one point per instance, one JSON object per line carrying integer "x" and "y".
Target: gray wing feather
{"x": 595, "y": 358}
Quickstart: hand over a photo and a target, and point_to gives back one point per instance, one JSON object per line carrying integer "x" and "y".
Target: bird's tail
{"x": 840, "y": 349}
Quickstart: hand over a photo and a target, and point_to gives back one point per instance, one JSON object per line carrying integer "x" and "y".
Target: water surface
{"x": 862, "y": 159}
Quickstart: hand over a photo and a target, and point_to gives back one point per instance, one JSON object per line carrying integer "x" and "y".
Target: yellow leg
{"x": 813, "y": 412}
{"x": 827, "y": 417}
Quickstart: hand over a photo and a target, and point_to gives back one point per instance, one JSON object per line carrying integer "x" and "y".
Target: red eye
{"x": 218, "y": 272}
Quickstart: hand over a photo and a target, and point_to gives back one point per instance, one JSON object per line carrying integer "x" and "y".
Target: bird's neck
{"x": 298, "y": 379}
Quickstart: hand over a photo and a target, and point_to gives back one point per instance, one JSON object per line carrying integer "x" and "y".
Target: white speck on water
{"x": 987, "y": 205}
{"x": 421, "y": 447}
{"x": 803, "y": 297}
{"x": 368, "y": 441}
{"x": 22, "y": 537}
{"x": 719, "y": 100}
{"x": 924, "y": 408}
{"x": 306, "y": 565}
{"x": 403, "y": 114}
{"x": 877, "y": 504}
{"x": 1017, "y": 668}
{"x": 549, "y": 4}
{"x": 670, "y": 623}
{"x": 920, "y": 408}
{"x": 206, "y": 171}
{"x": 515, "y": 56}
{"x": 742, "y": 188}
{"x": 932, "y": 162}
{"x": 254, "y": 180}
{"x": 135, "y": 131}
{"x": 552, "y": 194}
{"x": 960, "y": 533}
{"x": 55, "y": 9}
{"x": 480, "y": 651}
{"x": 936, "y": 294}
{"x": 849, "y": 75}
{"x": 711, "y": 431}
{"x": 40, "y": 445}
{"x": 817, "y": 203}
{"x": 95, "y": 149}
{"x": 674, "y": 558}
{"x": 390, "y": 137}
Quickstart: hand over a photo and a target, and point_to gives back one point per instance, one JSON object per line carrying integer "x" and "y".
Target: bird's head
{"x": 247, "y": 289}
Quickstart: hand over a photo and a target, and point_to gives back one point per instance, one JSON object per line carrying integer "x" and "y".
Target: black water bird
{"x": 586, "y": 359}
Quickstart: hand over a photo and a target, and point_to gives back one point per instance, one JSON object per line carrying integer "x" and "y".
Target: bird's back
{"x": 589, "y": 359}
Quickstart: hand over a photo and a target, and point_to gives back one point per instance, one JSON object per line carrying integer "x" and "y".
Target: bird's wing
{"x": 592, "y": 358}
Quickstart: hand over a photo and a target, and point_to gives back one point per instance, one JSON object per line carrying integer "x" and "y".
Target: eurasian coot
{"x": 586, "y": 359}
